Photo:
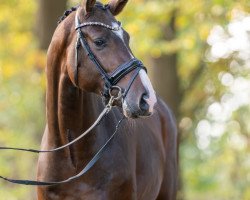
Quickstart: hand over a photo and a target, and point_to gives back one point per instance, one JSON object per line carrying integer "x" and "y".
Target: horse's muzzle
{"x": 142, "y": 108}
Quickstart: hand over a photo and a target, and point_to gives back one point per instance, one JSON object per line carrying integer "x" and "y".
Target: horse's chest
{"x": 112, "y": 188}
{"x": 80, "y": 191}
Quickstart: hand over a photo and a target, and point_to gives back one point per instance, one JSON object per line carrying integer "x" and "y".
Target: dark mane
{"x": 69, "y": 11}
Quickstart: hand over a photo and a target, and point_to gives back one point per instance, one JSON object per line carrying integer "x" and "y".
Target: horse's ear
{"x": 88, "y": 5}
{"x": 116, "y": 6}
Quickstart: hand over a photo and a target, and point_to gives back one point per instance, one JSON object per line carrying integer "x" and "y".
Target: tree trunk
{"x": 165, "y": 80}
{"x": 164, "y": 72}
{"x": 49, "y": 12}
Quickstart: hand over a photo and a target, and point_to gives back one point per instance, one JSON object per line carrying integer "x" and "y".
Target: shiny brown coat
{"x": 141, "y": 161}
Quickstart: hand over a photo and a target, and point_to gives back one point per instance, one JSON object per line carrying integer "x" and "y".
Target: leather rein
{"x": 110, "y": 81}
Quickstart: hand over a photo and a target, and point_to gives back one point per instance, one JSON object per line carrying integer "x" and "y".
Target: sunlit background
{"x": 198, "y": 55}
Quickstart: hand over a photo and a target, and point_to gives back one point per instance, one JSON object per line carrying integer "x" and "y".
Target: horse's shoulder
{"x": 164, "y": 110}
{"x": 167, "y": 118}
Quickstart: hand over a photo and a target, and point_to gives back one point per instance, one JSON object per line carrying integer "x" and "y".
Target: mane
{"x": 67, "y": 13}
{"x": 72, "y": 9}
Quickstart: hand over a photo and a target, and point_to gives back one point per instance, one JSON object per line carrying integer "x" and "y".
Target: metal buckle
{"x": 119, "y": 94}
{"x": 114, "y": 98}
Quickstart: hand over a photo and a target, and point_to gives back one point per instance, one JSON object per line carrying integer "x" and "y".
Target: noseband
{"x": 110, "y": 79}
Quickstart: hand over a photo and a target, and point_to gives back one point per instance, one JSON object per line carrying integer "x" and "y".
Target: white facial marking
{"x": 120, "y": 34}
{"x": 125, "y": 108}
{"x": 147, "y": 84}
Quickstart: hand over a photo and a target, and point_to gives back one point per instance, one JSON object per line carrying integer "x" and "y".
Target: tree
{"x": 47, "y": 18}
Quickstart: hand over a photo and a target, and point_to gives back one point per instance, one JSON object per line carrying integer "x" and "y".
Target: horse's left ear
{"x": 116, "y": 6}
{"x": 88, "y": 5}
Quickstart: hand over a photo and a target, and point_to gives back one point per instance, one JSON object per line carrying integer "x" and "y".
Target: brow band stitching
{"x": 99, "y": 24}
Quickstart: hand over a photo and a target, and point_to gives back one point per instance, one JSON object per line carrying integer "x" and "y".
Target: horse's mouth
{"x": 136, "y": 115}
{"x": 134, "y": 111}
{"x": 130, "y": 110}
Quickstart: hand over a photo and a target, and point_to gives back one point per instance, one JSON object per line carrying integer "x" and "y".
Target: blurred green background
{"x": 198, "y": 55}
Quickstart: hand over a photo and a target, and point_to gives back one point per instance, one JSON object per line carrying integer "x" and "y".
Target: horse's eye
{"x": 100, "y": 42}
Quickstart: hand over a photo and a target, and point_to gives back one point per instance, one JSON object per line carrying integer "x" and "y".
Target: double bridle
{"x": 110, "y": 81}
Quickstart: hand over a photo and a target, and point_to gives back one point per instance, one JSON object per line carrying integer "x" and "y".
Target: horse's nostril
{"x": 143, "y": 103}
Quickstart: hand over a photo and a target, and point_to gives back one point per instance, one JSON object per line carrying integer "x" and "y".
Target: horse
{"x": 88, "y": 61}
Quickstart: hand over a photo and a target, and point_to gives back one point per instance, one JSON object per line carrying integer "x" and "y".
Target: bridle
{"x": 110, "y": 81}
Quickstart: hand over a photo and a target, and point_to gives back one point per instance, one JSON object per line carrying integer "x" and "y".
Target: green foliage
{"x": 214, "y": 156}
{"x": 21, "y": 94}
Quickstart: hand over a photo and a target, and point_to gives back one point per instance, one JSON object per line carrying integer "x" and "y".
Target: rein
{"x": 84, "y": 171}
{"x": 95, "y": 158}
{"x": 96, "y": 123}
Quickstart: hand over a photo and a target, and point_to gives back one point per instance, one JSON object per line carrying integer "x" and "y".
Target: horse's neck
{"x": 69, "y": 110}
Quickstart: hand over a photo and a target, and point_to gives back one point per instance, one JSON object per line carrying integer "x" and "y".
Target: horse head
{"x": 100, "y": 58}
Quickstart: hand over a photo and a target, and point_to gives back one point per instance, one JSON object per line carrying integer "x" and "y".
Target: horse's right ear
{"x": 116, "y": 6}
{"x": 88, "y": 5}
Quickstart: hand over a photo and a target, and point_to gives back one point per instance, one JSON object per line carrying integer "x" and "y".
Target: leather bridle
{"x": 110, "y": 79}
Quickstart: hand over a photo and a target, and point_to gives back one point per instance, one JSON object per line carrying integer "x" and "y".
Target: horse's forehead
{"x": 103, "y": 16}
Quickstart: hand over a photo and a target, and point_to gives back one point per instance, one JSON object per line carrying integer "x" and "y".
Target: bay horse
{"x": 141, "y": 162}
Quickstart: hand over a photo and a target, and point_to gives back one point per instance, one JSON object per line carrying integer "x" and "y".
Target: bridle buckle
{"x": 114, "y": 97}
